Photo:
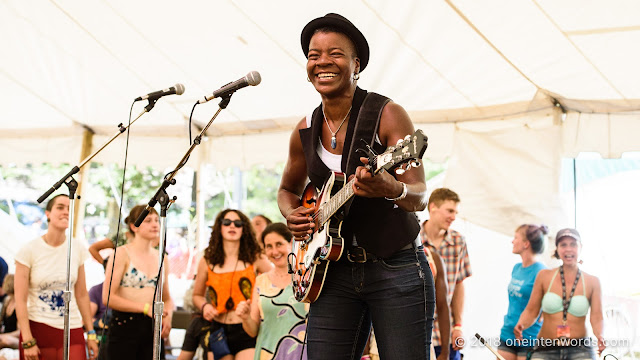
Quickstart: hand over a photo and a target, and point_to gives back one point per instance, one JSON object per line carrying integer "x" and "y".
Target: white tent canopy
{"x": 503, "y": 89}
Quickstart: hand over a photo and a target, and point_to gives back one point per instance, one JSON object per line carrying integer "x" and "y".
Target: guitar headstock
{"x": 402, "y": 156}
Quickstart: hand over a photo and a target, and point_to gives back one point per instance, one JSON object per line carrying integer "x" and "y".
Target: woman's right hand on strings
{"x": 243, "y": 309}
{"x": 32, "y": 353}
{"x": 209, "y": 312}
{"x": 301, "y": 223}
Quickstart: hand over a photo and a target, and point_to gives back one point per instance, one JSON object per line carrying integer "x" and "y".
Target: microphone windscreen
{"x": 253, "y": 78}
{"x": 179, "y": 89}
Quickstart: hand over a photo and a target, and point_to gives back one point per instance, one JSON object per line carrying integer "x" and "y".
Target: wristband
{"x": 145, "y": 311}
{"x": 402, "y": 195}
{"x": 202, "y": 308}
{"x": 457, "y": 327}
{"x": 365, "y": 357}
{"x": 29, "y": 343}
{"x": 91, "y": 335}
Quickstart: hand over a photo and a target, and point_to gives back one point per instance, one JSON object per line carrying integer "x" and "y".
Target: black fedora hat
{"x": 345, "y": 26}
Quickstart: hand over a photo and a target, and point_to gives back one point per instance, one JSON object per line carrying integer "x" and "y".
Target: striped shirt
{"x": 453, "y": 251}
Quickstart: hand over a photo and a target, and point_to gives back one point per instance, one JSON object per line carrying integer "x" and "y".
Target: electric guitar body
{"x": 312, "y": 256}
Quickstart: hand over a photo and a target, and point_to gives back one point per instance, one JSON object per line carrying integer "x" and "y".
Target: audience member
{"x": 259, "y": 222}
{"x": 109, "y": 243}
{"x": 98, "y": 308}
{"x": 438, "y": 269}
{"x": 273, "y": 314}
{"x": 4, "y": 270}
{"x": 564, "y": 313}
{"x": 452, "y": 248}
{"x": 9, "y": 334}
{"x": 40, "y": 280}
{"x": 528, "y": 242}
{"x": 226, "y": 273}
{"x": 132, "y": 288}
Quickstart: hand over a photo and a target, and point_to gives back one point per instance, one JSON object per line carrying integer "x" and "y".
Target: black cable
{"x": 306, "y": 331}
{"x": 115, "y": 248}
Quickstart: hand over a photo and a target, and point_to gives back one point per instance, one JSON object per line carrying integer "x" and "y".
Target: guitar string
{"x": 317, "y": 213}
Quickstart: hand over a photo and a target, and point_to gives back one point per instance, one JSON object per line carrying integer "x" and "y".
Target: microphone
{"x": 177, "y": 89}
{"x": 252, "y": 78}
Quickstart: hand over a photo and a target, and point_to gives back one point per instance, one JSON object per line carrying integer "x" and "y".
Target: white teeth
{"x": 327, "y": 75}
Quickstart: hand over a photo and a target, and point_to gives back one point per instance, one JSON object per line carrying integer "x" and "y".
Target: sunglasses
{"x": 236, "y": 223}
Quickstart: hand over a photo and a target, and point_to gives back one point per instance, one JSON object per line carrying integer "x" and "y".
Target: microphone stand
{"x": 72, "y": 185}
{"x": 162, "y": 197}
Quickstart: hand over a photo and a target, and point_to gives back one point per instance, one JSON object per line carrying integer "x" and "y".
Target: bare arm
{"x": 531, "y": 312}
{"x": 262, "y": 265}
{"x": 596, "y": 317}
{"x": 395, "y": 124}
{"x": 21, "y": 292}
{"x": 457, "y": 303}
{"x": 95, "y": 248}
{"x": 292, "y": 184}
{"x": 442, "y": 306}
{"x": 82, "y": 298}
{"x": 168, "y": 302}
{"x": 199, "y": 287}
{"x": 249, "y": 312}
{"x": 457, "y": 307}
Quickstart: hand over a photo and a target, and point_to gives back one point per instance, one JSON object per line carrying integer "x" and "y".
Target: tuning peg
{"x": 408, "y": 137}
{"x": 400, "y": 171}
{"x": 400, "y": 141}
{"x": 416, "y": 163}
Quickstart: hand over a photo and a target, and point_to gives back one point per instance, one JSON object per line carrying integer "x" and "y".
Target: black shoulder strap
{"x": 366, "y": 128}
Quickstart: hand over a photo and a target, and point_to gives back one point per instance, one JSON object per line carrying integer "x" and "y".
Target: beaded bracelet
{"x": 91, "y": 335}
{"x": 29, "y": 343}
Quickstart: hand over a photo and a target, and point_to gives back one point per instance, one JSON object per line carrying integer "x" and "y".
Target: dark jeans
{"x": 395, "y": 294}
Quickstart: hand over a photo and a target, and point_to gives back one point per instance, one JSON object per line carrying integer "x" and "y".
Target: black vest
{"x": 377, "y": 224}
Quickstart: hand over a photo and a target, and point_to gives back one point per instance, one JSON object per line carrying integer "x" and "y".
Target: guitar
{"x": 309, "y": 259}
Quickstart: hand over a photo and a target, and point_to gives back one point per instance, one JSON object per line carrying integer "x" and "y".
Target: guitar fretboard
{"x": 328, "y": 209}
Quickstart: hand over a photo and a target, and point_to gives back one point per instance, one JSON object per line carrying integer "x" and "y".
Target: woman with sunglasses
{"x": 226, "y": 275}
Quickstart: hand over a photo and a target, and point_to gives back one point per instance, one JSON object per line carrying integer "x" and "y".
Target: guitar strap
{"x": 366, "y": 128}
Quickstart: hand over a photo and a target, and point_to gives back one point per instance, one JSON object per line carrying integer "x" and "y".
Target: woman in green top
{"x": 273, "y": 314}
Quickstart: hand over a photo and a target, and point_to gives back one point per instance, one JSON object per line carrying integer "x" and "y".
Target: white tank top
{"x": 332, "y": 161}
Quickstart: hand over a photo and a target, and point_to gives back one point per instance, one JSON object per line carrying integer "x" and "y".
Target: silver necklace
{"x": 334, "y": 142}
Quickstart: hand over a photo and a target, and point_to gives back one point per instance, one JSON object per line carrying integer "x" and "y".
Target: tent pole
{"x": 575, "y": 196}
{"x": 85, "y": 151}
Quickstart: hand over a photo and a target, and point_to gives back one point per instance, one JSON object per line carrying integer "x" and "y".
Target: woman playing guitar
{"x": 382, "y": 277}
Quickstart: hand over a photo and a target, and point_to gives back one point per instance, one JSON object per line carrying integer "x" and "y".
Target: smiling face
{"x": 231, "y": 232}
{"x": 331, "y": 63}
{"x": 277, "y": 249}
{"x": 443, "y": 215}
{"x": 568, "y": 250}
{"x": 58, "y": 216}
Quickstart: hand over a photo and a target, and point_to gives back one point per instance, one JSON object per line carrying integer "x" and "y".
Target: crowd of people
{"x": 402, "y": 280}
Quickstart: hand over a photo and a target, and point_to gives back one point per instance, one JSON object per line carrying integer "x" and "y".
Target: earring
{"x": 356, "y": 76}
{"x": 309, "y": 80}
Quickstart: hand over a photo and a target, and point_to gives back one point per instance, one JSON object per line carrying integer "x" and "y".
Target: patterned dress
{"x": 283, "y": 326}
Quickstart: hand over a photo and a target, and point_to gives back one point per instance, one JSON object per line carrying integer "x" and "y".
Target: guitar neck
{"x": 328, "y": 209}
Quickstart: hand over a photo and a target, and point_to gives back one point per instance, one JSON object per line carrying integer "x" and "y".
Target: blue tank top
{"x": 520, "y": 288}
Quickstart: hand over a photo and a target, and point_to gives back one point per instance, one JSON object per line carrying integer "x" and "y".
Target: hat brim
{"x": 344, "y": 26}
